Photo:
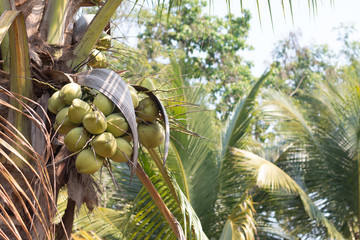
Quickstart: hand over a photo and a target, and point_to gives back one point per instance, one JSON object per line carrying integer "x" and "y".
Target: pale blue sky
{"x": 316, "y": 29}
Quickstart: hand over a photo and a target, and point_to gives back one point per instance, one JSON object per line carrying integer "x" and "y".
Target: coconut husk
{"x": 82, "y": 189}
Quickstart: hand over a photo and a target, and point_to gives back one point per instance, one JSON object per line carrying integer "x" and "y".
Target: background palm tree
{"x": 323, "y": 134}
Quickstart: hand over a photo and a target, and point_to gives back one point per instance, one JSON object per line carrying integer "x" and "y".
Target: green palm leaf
{"x": 147, "y": 222}
{"x": 324, "y": 132}
{"x": 238, "y": 124}
{"x": 267, "y": 175}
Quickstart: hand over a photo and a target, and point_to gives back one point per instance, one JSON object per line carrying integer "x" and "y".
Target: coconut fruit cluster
{"x": 151, "y": 133}
{"x": 97, "y": 58}
{"x": 93, "y": 127}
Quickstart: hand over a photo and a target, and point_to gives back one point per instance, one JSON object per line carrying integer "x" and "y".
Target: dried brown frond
{"x": 26, "y": 190}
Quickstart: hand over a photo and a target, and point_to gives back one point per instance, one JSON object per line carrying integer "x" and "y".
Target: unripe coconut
{"x": 62, "y": 122}
{"x": 148, "y": 110}
{"x": 69, "y": 92}
{"x": 134, "y": 96}
{"x": 104, "y": 41}
{"x": 95, "y": 122}
{"x": 104, "y": 144}
{"x": 104, "y": 104}
{"x": 88, "y": 162}
{"x": 123, "y": 150}
{"x": 55, "y": 103}
{"x": 76, "y": 139}
{"x": 78, "y": 109}
{"x": 151, "y": 134}
{"x": 97, "y": 59}
{"x": 116, "y": 124}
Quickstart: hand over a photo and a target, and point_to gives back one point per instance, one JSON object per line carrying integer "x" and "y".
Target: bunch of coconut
{"x": 93, "y": 127}
{"x": 97, "y": 58}
{"x": 151, "y": 132}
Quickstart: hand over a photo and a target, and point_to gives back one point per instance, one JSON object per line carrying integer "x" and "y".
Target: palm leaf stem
{"x": 163, "y": 170}
{"x": 13, "y": 23}
{"x": 174, "y": 224}
{"x": 56, "y": 16}
{"x": 5, "y": 51}
{"x": 86, "y": 44}
{"x": 181, "y": 169}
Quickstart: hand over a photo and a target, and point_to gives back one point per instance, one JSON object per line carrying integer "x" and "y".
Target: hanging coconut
{"x": 104, "y": 41}
{"x": 62, "y": 122}
{"x": 104, "y": 104}
{"x": 55, "y": 103}
{"x": 123, "y": 151}
{"x": 148, "y": 110}
{"x": 104, "y": 144}
{"x": 97, "y": 59}
{"x": 77, "y": 110}
{"x": 88, "y": 162}
{"x": 116, "y": 124}
{"x": 69, "y": 92}
{"x": 95, "y": 122}
{"x": 76, "y": 139}
{"x": 134, "y": 96}
{"x": 151, "y": 134}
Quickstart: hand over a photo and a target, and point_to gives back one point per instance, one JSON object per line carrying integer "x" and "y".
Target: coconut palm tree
{"x": 322, "y": 135}
{"x": 215, "y": 172}
{"x": 41, "y": 51}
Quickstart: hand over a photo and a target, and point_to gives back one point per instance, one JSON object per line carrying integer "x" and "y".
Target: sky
{"x": 316, "y": 28}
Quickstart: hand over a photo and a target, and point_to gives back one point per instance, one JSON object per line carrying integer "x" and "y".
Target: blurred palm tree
{"x": 323, "y": 135}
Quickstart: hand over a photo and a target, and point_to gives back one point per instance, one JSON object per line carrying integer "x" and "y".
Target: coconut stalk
{"x": 5, "y": 51}
{"x": 92, "y": 34}
{"x": 12, "y": 22}
{"x": 56, "y": 16}
{"x": 174, "y": 224}
{"x": 163, "y": 170}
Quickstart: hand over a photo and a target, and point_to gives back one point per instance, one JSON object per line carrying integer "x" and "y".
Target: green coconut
{"x": 76, "y": 139}
{"x": 123, "y": 150}
{"x": 95, "y": 122}
{"x": 78, "y": 109}
{"x": 151, "y": 134}
{"x": 69, "y": 92}
{"x": 116, "y": 124}
{"x": 97, "y": 59}
{"x": 104, "y": 104}
{"x": 62, "y": 122}
{"x": 104, "y": 41}
{"x": 104, "y": 144}
{"x": 148, "y": 110}
{"x": 88, "y": 162}
{"x": 134, "y": 96}
{"x": 55, "y": 103}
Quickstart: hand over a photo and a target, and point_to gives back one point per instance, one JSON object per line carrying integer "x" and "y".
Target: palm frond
{"x": 147, "y": 221}
{"x": 325, "y": 132}
{"x": 231, "y": 184}
{"x": 241, "y": 223}
{"x": 269, "y": 176}
{"x": 279, "y": 107}
{"x": 238, "y": 124}
{"x": 104, "y": 222}
{"x": 26, "y": 193}
{"x": 85, "y": 235}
